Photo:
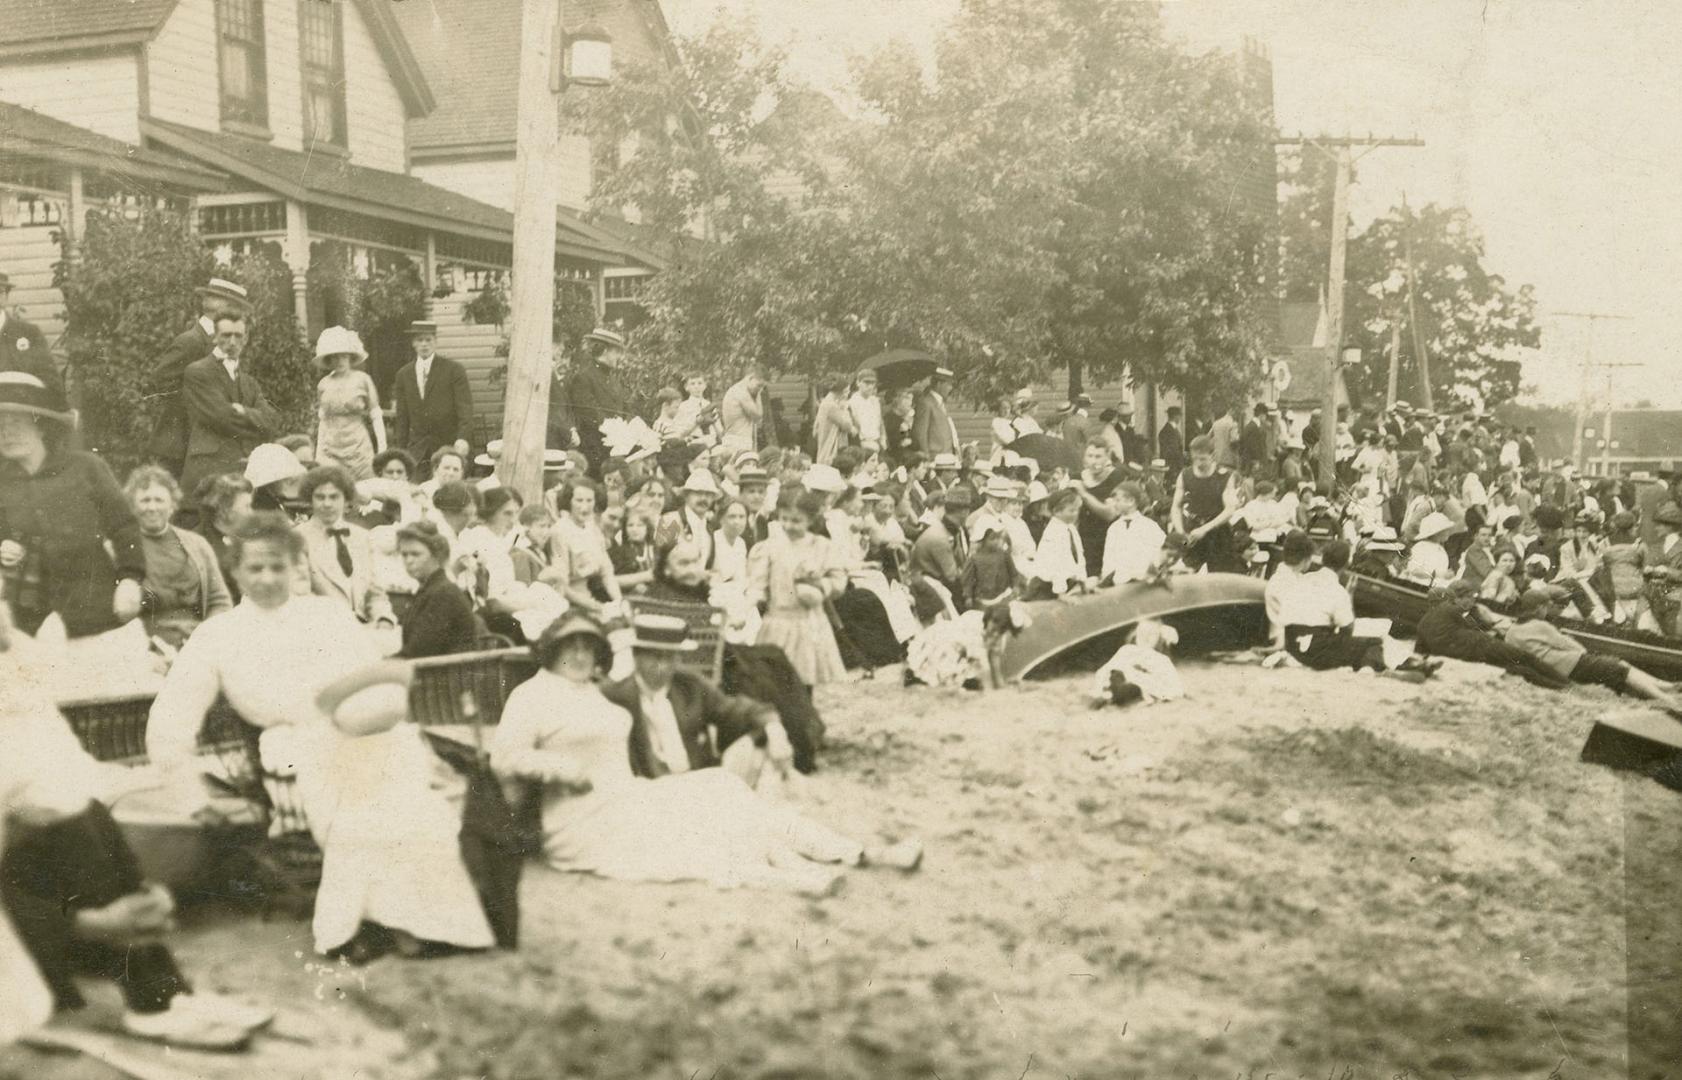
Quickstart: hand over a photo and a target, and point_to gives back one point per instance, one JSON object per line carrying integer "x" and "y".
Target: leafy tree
{"x": 1475, "y": 327}
{"x": 130, "y": 290}
{"x": 1062, "y": 191}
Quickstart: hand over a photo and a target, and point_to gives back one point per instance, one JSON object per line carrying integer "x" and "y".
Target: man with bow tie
{"x": 227, "y": 414}
{"x": 433, "y": 399}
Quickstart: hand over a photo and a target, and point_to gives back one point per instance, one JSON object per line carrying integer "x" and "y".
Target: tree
{"x": 1061, "y": 191}
{"x": 130, "y": 290}
{"x": 1475, "y": 328}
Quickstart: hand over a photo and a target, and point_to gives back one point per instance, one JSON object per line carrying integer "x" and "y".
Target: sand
{"x": 1287, "y": 874}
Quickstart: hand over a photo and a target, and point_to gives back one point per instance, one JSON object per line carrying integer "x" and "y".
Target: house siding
{"x": 100, "y": 93}
{"x": 28, "y": 255}
{"x": 182, "y": 83}
{"x": 374, "y": 109}
{"x": 489, "y": 179}
{"x": 474, "y": 347}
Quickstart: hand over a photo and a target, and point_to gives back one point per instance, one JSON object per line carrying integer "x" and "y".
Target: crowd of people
{"x": 246, "y": 553}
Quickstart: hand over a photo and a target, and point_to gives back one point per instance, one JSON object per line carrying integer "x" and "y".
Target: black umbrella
{"x": 898, "y": 368}
{"x": 1049, "y": 451}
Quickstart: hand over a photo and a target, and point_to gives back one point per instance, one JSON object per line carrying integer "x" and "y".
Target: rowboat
{"x": 1404, "y": 603}
{"x": 1223, "y": 607}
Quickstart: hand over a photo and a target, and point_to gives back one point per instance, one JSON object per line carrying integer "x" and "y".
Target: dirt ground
{"x": 1287, "y": 874}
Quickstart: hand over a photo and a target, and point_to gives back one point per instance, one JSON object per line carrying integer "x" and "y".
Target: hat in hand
{"x": 369, "y": 700}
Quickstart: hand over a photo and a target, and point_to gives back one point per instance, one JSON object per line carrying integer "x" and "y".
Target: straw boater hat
{"x": 227, "y": 291}
{"x": 422, "y": 326}
{"x": 1436, "y": 524}
{"x": 823, "y": 478}
{"x": 946, "y": 461}
{"x": 749, "y": 475}
{"x": 271, "y": 463}
{"x": 700, "y": 482}
{"x": 606, "y": 336}
{"x": 1001, "y": 487}
{"x": 336, "y": 341}
{"x": 21, "y": 392}
{"x": 370, "y": 700}
{"x": 1384, "y": 538}
{"x": 661, "y": 633}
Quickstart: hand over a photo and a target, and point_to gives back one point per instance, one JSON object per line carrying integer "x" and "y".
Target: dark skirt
{"x": 763, "y": 673}
{"x": 865, "y": 636}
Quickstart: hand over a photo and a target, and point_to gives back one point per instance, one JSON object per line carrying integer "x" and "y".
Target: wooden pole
{"x": 1420, "y": 355}
{"x": 1334, "y": 314}
{"x": 1395, "y": 363}
{"x": 532, "y": 291}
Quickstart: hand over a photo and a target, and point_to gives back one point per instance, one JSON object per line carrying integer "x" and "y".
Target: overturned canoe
{"x": 1404, "y": 603}
{"x": 1063, "y": 627}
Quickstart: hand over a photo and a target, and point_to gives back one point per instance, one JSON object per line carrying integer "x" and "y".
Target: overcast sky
{"x": 1558, "y": 124}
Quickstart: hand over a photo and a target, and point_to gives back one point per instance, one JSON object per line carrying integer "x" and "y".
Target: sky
{"x": 1557, "y": 124}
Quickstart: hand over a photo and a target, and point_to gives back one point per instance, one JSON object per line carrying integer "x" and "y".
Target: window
{"x": 245, "y": 93}
{"x": 322, "y": 48}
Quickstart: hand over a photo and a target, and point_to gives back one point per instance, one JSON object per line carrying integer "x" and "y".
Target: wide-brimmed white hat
{"x": 271, "y": 463}
{"x": 370, "y": 700}
{"x": 946, "y": 461}
{"x": 338, "y": 340}
{"x": 700, "y": 482}
{"x": 1436, "y": 523}
{"x": 823, "y": 478}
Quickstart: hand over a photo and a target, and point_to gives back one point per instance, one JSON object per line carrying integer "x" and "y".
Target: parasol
{"x": 897, "y": 369}
{"x": 1050, "y": 452}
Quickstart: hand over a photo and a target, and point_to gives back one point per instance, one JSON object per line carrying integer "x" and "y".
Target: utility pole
{"x": 1606, "y": 427}
{"x": 1395, "y": 360}
{"x": 1423, "y": 357}
{"x": 525, "y": 414}
{"x": 1341, "y": 150}
{"x": 1583, "y": 392}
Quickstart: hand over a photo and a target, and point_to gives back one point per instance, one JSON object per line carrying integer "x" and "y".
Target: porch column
{"x": 296, "y": 251}
{"x": 74, "y": 217}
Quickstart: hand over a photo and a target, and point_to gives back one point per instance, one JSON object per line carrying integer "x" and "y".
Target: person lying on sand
{"x": 1532, "y": 632}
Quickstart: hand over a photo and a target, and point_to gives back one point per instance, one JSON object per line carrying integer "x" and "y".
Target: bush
{"x": 131, "y": 291}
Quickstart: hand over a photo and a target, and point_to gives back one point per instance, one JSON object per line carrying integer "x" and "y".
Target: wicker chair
{"x": 706, "y": 627}
{"x": 484, "y": 675}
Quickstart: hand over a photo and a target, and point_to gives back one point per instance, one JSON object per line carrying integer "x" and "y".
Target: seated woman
{"x": 390, "y": 496}
{"x": 558, "y": 730}
{"x": 275, "y": 475}
{"x": 183, "y": 584}
{"x": 223, "y": 501}
{"x": 440, "y": 618}
{"x": 392, "y": 875}
{"x": 1428, "y": 559}
{"x": 581, "y": 569}
{"x": 634, "y": 555}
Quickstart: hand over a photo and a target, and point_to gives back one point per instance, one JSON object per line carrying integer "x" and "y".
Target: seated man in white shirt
{"x": 1133, "y": 542}
{"x": 1268, "y": 517}
{"x": 1319, "y": 618}
{"x": 1060, "y": 562}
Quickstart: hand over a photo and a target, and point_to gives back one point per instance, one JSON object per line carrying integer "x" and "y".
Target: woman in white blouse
{"x": 580, "y": 566}
{"x": 392, "y": 870}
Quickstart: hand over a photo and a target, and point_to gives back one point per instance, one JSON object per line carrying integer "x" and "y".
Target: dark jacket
{"x": 219, "y": 438}
{"x": 24, "y": 348}
{"x": 709, "y": 719}
{"x": 444, "y": 415}
{"x": 168, "y": 445}
{"x": 439, "y": 620}
{"x": 1171, "y": 448}
{"x": 593, "y": 393}
{"x": 63, "y": 516}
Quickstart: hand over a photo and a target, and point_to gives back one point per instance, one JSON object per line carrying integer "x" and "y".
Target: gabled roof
{"x": 27, "y": 133}
{"x": 469, "y": 50}
{"x": 1298, "y": 324}
{"x": 328, "y": 180}
{"x": 48, "y": 27}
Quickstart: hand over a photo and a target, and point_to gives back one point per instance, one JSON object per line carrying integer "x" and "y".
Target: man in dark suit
{"x": 22, "y": 345}
{"x": 1171, "y": 443}
{"x": 681, "y": 722}
{"x": 227, "y": 414}
{"x": 753, "y": 484}
{"x": 168, "y": 446}
{"x": 1252, "y": 444}
{"x": 943, "y": 548}
{"x": 595, "y": 392}
{"x": 932, "y": 430}
{"x": 433, "y": 400}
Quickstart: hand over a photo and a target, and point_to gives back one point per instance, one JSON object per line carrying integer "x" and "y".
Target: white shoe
{"x": 187, "y": 1027}
{"x": 226, "y": 1010}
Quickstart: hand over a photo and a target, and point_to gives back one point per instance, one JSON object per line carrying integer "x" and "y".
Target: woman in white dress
{"x": 392, "y": 875}
{"x": 558, "y": 730}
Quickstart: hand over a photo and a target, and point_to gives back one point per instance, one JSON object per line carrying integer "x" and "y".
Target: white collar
{"x": 207, "y": 326}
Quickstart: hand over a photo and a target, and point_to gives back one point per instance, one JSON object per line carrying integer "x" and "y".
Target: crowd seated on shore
{"x": 281, "y": 581}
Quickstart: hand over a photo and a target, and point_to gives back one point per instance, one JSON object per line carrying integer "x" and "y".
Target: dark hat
{"x": 225, "y": 290}
{"x": 1669, "y": 514}
{"x": 5, "y": 280}
{"x": 1080, "y": 401}
{"x": 662, "y": 633}
{"x": 573, "y": 624}
{"x": 751, "y": 474}
{"x": 21, "y": 392}
{"x": 960, "y": 497}
{"x": 1460, "y": 589}
{"x": 1536, "y": 601}
{"x": 1549, "y": 517}
{"x": 422, "y": 326}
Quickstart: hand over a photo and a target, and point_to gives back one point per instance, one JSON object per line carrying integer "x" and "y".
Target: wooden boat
{"x": 1404, "y": 603}
{"x": 1097, "y": 621}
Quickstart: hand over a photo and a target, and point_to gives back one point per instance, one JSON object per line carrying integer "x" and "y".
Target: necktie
{"x": 339, "y": 535}
{"x": 1074, "y": 549}
{"x": 422, "y": 370}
